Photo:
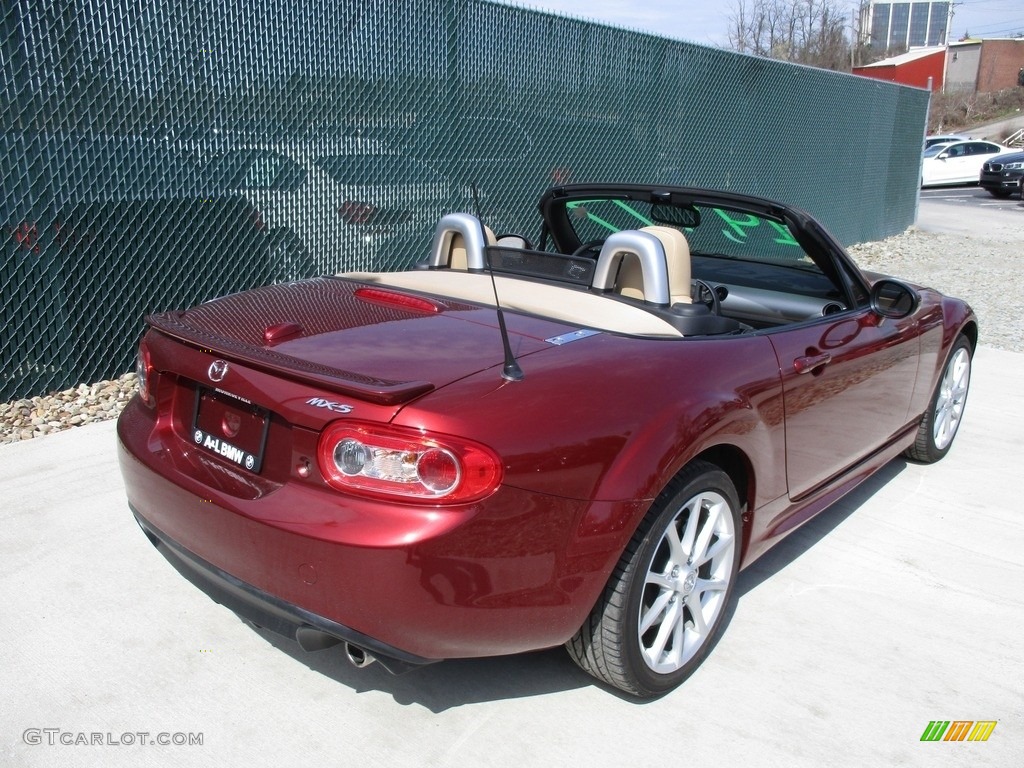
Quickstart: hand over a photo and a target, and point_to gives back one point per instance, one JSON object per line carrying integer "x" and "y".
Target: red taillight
{"x": 144, "y": 374}
{"x": 356, "y": 213}
{"x": 406, "y": 464}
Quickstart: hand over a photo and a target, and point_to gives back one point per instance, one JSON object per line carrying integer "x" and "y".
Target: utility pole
{"x": 854, "y": 34}
{"x": 945, "y": 58}
{"x": 860, "y": 23}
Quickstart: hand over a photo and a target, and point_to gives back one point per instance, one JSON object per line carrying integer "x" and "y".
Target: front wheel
{"x": 946, "y": 409}
{"x": 664, "y": 604}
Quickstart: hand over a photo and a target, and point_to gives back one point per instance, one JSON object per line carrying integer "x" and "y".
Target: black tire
{"x": 941, "y": 421}
{"x": 611, "y": 645}
{"x": 1002, "y": 194}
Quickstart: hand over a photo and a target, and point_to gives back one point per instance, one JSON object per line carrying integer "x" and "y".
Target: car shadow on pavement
{"x": 447, "y": 684}
{"x": 458, "y": 682}
{"x": 817, "y": 528}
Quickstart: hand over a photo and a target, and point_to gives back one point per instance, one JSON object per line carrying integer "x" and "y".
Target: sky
{"x": 707, "y": 21}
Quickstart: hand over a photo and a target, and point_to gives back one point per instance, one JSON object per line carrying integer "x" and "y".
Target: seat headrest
{"x": 632, "y": 263}
{"x": 677, "y": 261}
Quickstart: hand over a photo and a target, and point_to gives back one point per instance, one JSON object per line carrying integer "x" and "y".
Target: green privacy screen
{"x": 157, "y": 154}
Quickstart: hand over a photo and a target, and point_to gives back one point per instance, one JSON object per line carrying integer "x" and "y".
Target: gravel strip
{"x": 985, "y": 273}
{"x": 84, "y": 404}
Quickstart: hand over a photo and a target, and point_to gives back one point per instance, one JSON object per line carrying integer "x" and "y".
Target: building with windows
{"x": 902, "y": 26}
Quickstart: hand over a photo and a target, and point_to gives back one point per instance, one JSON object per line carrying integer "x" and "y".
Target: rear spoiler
{"x": 380, "y": 391}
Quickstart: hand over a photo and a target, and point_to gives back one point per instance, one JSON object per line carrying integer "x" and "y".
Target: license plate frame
{"x": 230, "y": 427}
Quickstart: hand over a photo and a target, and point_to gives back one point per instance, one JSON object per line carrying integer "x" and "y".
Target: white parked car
{"x": 338, "y": 205}
{"x": 956, "y": 163}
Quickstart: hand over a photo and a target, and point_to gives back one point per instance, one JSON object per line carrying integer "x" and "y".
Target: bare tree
{"x": 810, "y": 32}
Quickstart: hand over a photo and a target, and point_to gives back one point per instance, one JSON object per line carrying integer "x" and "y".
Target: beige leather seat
{"x": 457, "y": 251}
{"x": 677, "y": 261}
{"x": 630, "y": 281}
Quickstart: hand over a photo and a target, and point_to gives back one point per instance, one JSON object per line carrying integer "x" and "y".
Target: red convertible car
{"x": 516, "y": 445}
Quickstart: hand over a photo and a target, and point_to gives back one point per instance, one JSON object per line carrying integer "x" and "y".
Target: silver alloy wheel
{"x": 949, "y": 405}
{"x": 687, "y": 582}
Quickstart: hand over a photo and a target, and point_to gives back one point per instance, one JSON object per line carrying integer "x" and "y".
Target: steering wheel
{"x": 590, "y": 249}
{"x": 706, "y": 295}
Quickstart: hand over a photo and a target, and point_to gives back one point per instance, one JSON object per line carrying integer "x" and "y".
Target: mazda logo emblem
{"x": 218, "y": 370}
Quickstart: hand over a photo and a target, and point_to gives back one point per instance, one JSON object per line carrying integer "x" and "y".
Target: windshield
{"x": 935, "y": 149}
{"x": 720, "y": 232}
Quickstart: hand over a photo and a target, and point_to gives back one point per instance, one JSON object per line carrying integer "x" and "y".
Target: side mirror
{"x": 893, "y": 299}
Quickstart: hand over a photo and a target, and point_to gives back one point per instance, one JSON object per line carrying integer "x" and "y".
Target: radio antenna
{"x": 511, "y": 370}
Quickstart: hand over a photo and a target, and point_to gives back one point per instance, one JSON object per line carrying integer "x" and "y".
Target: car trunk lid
{"x": 380, "y": 345}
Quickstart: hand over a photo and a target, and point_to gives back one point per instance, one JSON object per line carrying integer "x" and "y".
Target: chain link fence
{"x": 159, "y": 154}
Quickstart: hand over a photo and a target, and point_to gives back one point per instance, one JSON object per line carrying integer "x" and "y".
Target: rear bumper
{"x": 310, "y": 630}
{"x": 519, "y": 571}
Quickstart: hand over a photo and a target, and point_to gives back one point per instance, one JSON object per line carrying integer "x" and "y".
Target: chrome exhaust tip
{"x": 357, "y": 656}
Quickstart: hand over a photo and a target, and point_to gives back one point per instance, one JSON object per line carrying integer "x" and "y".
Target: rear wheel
{"x": 663, "y": 607}
{"x": 946, "y": 409}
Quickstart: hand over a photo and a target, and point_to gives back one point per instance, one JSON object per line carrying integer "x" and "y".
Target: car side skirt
{"x": 796, "y": 513}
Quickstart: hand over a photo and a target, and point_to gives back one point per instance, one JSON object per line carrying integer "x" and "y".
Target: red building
{"x": 922, "y": 68}
{"x": 978, "y": 66}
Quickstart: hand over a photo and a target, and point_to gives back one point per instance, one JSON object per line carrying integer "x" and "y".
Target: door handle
{"x": 809, "y": 363}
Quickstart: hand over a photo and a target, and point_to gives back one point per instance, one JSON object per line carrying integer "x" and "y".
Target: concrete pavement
{"x": 1000, "y": 221}
{"x": 901, "y": 605}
